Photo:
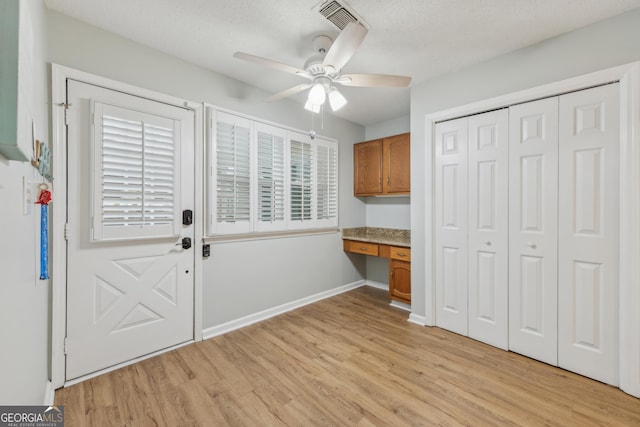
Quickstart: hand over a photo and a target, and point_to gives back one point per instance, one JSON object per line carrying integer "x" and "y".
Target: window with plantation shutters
{"x": 265, "y": 178}
{"x": 135, "y": 174}
{"x": 327, "y": 183}
{"x": 301, "y": 175}
{"x": 271, "y": 176}
{"x": 232, "y": 173}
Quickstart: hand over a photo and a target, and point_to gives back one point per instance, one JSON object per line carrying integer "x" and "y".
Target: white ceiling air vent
{"x": 339, "y": 13}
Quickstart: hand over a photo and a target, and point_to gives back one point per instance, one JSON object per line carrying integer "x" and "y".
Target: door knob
{"x": 186, "y": 242}
{"x": 487, "y": 242}
{"x": 532, "y": 245}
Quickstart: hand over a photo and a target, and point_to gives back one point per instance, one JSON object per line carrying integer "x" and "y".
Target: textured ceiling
{"x": 418, "y": 38}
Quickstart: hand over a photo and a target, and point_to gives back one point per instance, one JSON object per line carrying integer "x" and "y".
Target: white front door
{"x": 451, "y": 225}
{"x": 130, "y": 176}
{"x": 588, "y": 233}
{"x": 533, "y": 235}
{"x": 488, "y": 227}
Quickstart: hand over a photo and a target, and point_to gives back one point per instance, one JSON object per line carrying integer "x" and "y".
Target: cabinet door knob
{"x": 487, "y": 242}
{"x": 532, "y": 245}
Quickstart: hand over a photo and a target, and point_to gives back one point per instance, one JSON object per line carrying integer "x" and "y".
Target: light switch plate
{"x": 27, "y": 196}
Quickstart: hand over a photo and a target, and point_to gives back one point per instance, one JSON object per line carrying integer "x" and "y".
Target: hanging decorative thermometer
{"x": 43, "y": 200}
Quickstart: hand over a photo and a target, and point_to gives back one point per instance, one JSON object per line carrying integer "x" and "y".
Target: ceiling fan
{"x": 323, "y": 70}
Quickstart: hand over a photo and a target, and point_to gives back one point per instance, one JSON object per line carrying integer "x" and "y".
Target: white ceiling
{"x": 418, "y": 38}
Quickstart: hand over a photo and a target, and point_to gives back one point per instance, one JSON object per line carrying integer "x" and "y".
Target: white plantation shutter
{"x": 135, "y": 171}
{"x": 271, "y": 175}
{"x": 232, "y": 175}
{"x": 159, "y": 191}
{"x": 300, "y": 181}
{"x": 264, "y": 178}
{"x": 327, "y": 183}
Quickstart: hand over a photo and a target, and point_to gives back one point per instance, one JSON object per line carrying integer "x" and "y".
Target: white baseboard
{"x": 400, "y": 305}
{"x": 49, "y": 394}
{"x": 377, "y": 285}
{"x": 418, "y": 320}
{"x": 271, "y": 312}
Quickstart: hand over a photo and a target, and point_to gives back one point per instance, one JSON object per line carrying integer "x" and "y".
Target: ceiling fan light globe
{"x": 336, "y": 100}
{"x": 317, "y": 94}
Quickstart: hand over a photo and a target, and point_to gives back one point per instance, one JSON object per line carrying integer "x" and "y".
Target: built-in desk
{"x": 389, "y": 243}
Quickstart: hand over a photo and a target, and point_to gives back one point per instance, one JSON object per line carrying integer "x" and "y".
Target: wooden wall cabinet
{"x": 367, "y": 168}
{"x": 382, "y": 166}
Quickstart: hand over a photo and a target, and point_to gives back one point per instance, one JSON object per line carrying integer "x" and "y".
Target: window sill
{"x": 268, "y": 235}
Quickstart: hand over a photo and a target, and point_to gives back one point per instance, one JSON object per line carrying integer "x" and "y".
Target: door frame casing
{"x": 59, "y": 76}
{"x": 628, "y": 76}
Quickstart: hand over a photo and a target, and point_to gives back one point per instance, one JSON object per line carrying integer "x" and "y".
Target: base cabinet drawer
{"x": 401, "y": 254}
{"x": 361, "y": 247}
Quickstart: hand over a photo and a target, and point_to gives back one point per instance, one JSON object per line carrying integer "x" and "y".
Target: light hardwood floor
{"x": 345, "y": 361}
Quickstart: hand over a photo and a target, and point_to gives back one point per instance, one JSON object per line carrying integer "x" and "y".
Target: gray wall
{"x": 24, "y": 299}
{"x": 240, "y": 278}
{"x": 602, "y": 45}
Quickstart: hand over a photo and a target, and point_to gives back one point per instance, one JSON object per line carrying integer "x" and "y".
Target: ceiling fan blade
{"x": 288, "y": 92}
{"x": 373, "y": 80}
{"x": 272, "y": 64}
{"x": 345, "y": 46}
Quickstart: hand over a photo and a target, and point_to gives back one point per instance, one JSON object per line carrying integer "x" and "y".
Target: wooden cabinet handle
{"x": 402, "y": 254}
{"x": 363, "y": 248}
{"x": 388, "y": 180}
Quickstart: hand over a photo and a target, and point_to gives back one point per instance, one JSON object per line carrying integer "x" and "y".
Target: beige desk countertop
{"x": 385, "y": 236}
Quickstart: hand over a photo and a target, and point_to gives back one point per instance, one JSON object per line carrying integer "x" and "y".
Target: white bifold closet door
{"x": 471, "y": 232}
{"x": 527, "y": 229}
{"x": 451, "y": 190}
{"x": 533, "y": 235}
{"x": 588, "y": 233}
{"x": 488, "y": 206}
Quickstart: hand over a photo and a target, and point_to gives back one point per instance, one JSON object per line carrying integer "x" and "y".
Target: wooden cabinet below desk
{"x": 399, "y": 265}
{"x": 400, "y": 280}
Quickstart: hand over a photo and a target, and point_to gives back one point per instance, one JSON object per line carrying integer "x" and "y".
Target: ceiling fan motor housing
{"x": 321, "y": 45}
{"x": 314, "y": 66}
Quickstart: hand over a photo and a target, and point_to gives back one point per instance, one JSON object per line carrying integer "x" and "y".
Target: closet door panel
{"x": 451, "y": 225}
{"x": 533, "y": 209}
{"x": 588, "y": 233}
{"x": 488, "y": 227}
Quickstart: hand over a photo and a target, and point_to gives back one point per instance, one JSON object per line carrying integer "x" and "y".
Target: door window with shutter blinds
{"x": 282, "y": 180}
{"x": 135, "y": 174}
